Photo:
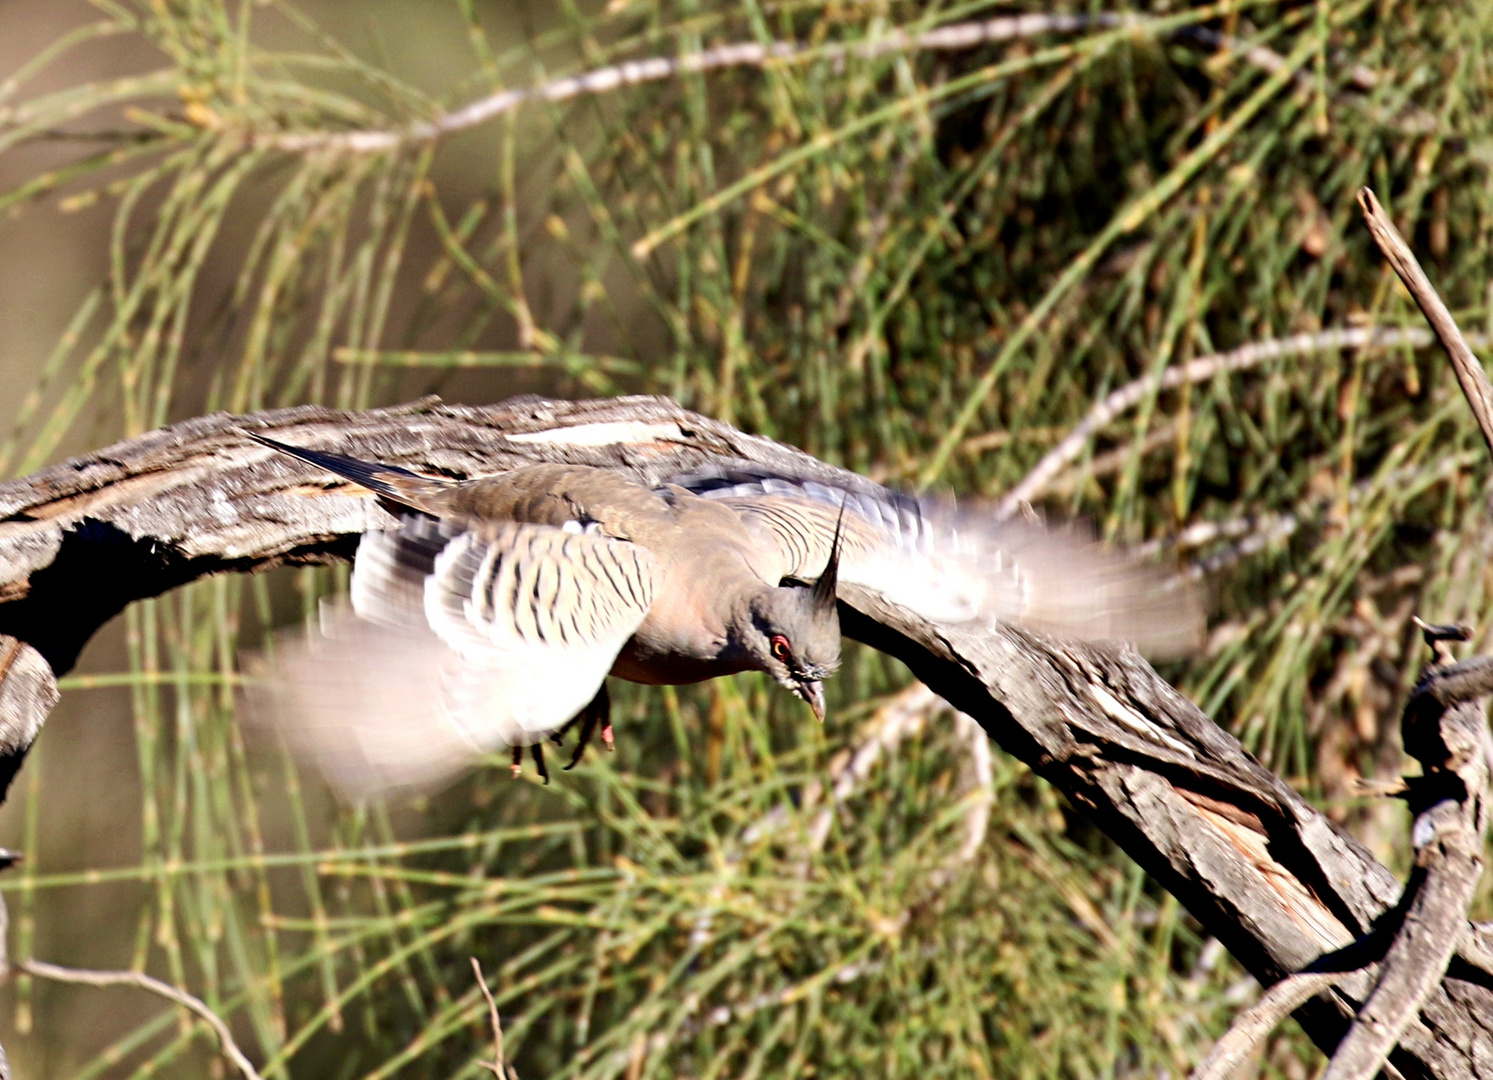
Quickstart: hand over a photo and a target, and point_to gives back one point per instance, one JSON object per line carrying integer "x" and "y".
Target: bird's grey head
{"x": 794, "y": 634}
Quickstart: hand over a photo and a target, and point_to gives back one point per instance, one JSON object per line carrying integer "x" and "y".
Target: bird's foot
{"x": 536, "y": 751}
{"x": 588, "y": 720}
{"x": 599, "y": 711}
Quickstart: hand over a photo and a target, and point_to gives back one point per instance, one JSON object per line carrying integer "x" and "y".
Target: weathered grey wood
{"x": 1256, "y": 864}
{"x": 1445, "y": 728}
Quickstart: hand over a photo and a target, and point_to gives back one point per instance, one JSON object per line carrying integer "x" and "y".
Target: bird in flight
{"x": 490, "y": 618}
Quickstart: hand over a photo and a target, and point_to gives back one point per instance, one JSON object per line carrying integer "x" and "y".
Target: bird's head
{"x": 794, "y": 634}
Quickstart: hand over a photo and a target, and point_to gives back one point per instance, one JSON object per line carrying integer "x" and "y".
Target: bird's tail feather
{"x": 388, "y": 481}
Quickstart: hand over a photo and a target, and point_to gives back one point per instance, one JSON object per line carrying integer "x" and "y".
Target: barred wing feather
{"x": 455, "y": 643}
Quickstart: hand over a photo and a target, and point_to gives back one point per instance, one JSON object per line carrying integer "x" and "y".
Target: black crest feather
{"x": 824, "y": 588}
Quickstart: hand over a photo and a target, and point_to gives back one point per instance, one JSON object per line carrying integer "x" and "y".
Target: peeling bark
{"x": 1252, "y": 860}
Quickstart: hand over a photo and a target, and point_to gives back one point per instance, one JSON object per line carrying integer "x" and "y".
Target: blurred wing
{"x": 363, "y": 702}
{"x": 952, "y": 565}
{"x": 456, "y": 644}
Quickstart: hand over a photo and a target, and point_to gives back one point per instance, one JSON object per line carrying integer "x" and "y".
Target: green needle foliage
{"x": 923, "y": 258}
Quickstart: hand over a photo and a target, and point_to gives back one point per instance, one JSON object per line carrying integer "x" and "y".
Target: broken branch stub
{"x": 1256, "y": 864}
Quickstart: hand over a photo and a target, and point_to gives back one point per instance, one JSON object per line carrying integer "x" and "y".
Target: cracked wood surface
{"x": 1253, "y": 861}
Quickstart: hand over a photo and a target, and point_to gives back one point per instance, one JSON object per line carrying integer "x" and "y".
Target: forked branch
{"x": 1445, "y": 729}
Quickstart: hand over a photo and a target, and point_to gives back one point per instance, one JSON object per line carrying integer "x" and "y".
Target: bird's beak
{"x": 812, "y": 691}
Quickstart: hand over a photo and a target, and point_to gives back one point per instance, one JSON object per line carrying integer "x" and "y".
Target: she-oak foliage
{"x": 922, "y": 263}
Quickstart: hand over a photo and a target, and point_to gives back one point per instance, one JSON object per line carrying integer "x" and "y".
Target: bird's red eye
{"x": 780, "y": 648}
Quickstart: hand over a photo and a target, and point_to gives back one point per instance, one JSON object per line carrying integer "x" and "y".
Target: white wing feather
{"x": 455, "y": 644}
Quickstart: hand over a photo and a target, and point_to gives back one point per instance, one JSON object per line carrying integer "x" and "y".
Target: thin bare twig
{"x": 499, "y": 1066}
{"x": 1250, "y": 533}
{"x": 1252, "y": 1025}
{"x": 1470, "y": 373}
{"x": 903, "y": 716}
{"x": 754, "y": 54}
{"x": 1127, "y": 397}
{"x": 965, "y": 35}
{"x": 43, "y": 970}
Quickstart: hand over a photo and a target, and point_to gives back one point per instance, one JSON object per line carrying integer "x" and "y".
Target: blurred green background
{"x": 926, "y": 263}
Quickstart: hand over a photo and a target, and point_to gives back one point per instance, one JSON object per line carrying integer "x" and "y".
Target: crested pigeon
{"x": 492, "y": 616}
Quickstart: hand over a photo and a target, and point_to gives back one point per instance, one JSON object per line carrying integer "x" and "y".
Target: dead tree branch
{"x": 1252, "y": 860}
{"x": 1445, "y": 729}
